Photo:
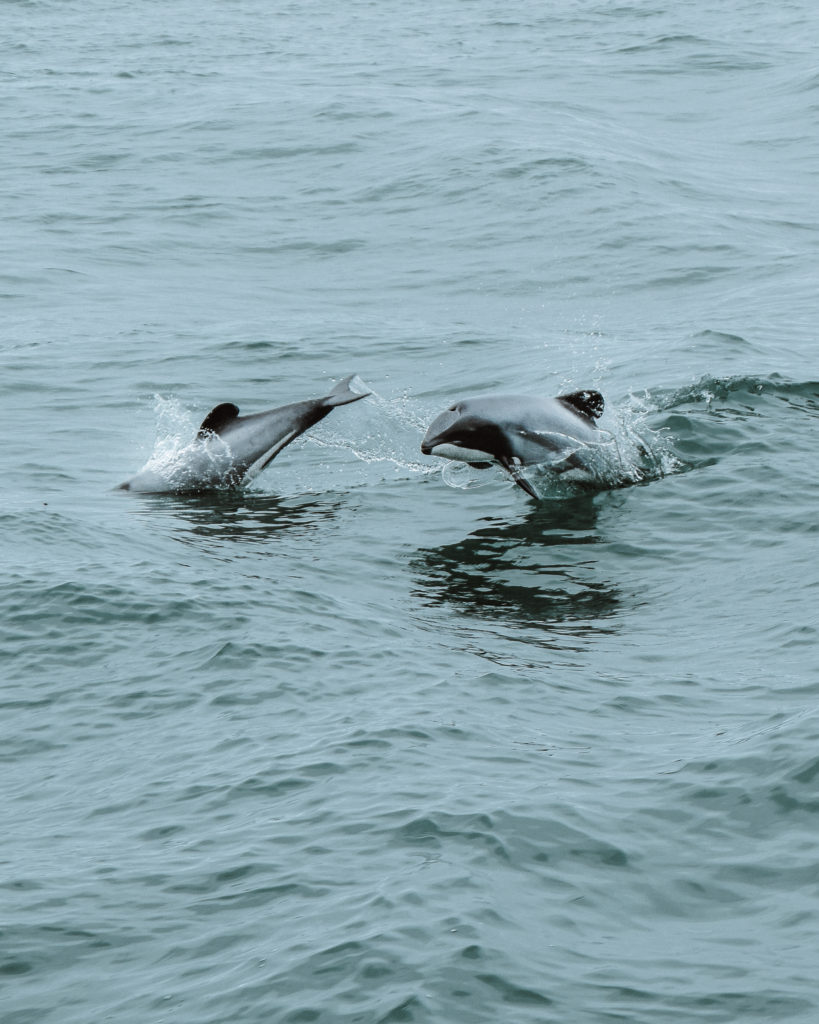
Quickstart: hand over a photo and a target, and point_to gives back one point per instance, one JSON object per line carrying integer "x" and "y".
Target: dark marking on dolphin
{"x": 515, "y": 431}
{"x": 228, "y": 448}
{"x": 219, "y": 418}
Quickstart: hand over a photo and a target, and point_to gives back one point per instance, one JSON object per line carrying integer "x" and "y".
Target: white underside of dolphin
{"x": 516, "y": 431}
{"x": 230, "y": 449}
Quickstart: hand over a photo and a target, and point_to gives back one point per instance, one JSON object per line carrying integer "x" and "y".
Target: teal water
{"x": 373, "y": 741}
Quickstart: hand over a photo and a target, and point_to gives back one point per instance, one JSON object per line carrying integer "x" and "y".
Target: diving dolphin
{"x": 517, "y": 431}
{"x": 230, "y": 448}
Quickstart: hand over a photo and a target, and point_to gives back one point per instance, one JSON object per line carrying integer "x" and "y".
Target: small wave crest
{"x": 716, "y": 416}
{"x": 711, "y": 391}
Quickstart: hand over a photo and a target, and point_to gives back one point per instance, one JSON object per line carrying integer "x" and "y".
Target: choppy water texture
{"x": 369, "y": 742}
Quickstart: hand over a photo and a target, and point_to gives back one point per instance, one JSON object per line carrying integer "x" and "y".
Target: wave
{"x": 711, "y": 391}
{"x": 716, "y": 416}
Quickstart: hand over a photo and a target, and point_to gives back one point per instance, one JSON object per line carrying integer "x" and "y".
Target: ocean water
{"x": 377, "y": 739}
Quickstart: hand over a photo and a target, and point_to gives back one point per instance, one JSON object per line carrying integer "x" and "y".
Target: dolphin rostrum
{"x": 516, "y": 431}
{"x": 229, "y": 449}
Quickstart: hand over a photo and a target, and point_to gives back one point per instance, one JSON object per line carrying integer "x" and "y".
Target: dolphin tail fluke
{"x": 343, "y": 394}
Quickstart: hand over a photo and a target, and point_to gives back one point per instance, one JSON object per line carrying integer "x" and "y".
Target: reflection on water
{"x": 538, "y": 571}
{"x": 237, "y": 515}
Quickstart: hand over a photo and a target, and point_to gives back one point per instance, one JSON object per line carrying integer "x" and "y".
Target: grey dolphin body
{"x": 229, "y": 448}
{"x": 516, "y": 431}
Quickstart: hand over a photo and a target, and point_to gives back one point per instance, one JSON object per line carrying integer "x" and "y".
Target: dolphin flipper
{"x": 513, "y": 468}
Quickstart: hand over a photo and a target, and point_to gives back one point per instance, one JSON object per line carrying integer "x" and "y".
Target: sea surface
{"x": 374, "y": 740}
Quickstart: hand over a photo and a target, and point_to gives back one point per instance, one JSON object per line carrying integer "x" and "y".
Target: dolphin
{"x": 229, "y": 449}
{"x": 516, "y": 431}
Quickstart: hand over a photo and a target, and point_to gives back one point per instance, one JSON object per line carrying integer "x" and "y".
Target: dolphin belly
{"x": 451, "y": 451}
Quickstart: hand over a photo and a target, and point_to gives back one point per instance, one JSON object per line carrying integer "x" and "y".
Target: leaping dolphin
{"x": 516, "y": 431}
{"x": 228, "y": 448}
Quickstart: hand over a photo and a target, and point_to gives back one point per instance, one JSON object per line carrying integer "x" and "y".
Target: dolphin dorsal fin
{"x": 587, "y": 403}
{"x": 217, "y": 419}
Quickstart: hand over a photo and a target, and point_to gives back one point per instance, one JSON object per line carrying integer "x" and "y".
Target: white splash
{"x": 179, "y": 458}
